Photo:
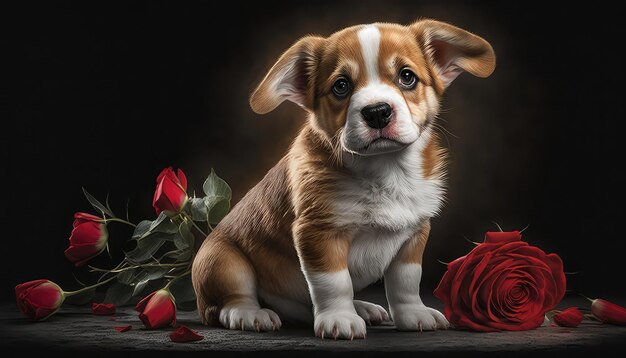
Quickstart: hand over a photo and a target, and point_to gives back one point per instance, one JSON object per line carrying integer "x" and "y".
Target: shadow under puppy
{"x": 351, "y": 200}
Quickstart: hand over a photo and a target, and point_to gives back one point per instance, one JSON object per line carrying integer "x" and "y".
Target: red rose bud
{"x": 570, "y": 317}
{"x": 39, "y": 299}
{"x": 170, "y": 195}
{"x": 608, "y": 312}
{"x": 157, "y": 310}
{"x": 89, "y": 238}
{"x": 502, "y": 284}
{"x": 184, "y": 334}
{"x": 103, "y": 309}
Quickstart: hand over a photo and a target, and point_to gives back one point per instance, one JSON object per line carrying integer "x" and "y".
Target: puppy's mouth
{"x": 381, "y": 145}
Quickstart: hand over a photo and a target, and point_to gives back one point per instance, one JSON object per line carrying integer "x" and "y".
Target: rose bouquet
{"x": 155, "y": 273}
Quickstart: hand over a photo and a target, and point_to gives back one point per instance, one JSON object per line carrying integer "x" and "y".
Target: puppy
{"x": 350, "y": 202}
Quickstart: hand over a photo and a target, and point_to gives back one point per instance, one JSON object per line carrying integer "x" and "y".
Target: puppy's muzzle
{"x": 377, "y": 115}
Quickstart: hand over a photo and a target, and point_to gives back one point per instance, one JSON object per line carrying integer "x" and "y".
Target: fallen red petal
{"x": 103, "y": 309}
{"x": 113, "y": 319}
{"x": 570, "y": 317}
{"x": 123, "y": 329}
{"x": 184, "y": 334}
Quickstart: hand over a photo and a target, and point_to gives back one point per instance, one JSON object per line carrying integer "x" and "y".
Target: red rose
{"x": 170, "y": 195}
{"x": 569, "y": 317}
{"x": 89, "y": 238}
{"x": 157, "y": 310}
{"x": 502, "y": 284}
{"x": 39, "y": 299}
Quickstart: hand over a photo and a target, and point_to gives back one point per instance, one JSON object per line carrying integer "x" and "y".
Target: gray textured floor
{"x": 74, "y": 330}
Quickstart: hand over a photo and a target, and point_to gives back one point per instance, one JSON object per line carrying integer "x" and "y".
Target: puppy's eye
{"x": 341, "y": 88}
{"x": 408, "y": 79}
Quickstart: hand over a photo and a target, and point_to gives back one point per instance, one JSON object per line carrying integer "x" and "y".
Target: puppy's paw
{"x": 249, "y": 319}
{"x": 339, "y": 324}
{"x": 371, "y": 313}
{"x": 419, "y": 318}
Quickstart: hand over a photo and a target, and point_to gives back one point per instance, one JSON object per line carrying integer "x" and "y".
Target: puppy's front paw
{"x": 419, "y": 318}
{"x": 339, "y": 324}
{"x": 372, "y": 313}
{"x": 249, "y": 319}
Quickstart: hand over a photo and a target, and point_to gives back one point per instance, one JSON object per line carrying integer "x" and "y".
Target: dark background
{"x": 105, "y": 95}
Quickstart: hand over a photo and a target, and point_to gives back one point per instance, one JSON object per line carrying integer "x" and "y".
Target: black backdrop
{"x": 105, "y": 95}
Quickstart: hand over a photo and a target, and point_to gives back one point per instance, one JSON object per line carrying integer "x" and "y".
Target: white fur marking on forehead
{"x": 369, "y": 38}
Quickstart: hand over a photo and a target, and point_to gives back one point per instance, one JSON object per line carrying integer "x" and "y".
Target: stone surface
{"x": 74, "y": 330}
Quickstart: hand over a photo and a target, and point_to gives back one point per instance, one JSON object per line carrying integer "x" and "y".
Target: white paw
{"x": 339, "y": 324}
{"x": 373, "y": 314}
{"x": 419, "y": 318}
{"x": 249, "y": 318}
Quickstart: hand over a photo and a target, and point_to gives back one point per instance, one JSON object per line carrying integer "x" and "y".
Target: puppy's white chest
{"x": 390, "y": 194}
{"x": 371, "y": 253}
{"x": 385, "y": 202}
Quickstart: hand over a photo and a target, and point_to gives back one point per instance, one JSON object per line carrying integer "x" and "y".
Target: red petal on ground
{"x": 124, "y": 329}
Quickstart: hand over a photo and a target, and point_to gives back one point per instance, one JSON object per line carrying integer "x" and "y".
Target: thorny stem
{"x": 106, "y": 272}
{"x": 590, "y": 300}
{"x": 176, "y": 279}
{"x": 96, "y": 269}
{"x": 120, "y": 221}
{"x": 194, "y": 224}
{"x": 72, "y": 293}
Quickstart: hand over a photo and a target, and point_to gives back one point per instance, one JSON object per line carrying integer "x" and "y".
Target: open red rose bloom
{"x": 502, "y": 284}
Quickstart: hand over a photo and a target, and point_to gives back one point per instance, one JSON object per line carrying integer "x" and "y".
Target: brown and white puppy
{"x": 351, "y": 201}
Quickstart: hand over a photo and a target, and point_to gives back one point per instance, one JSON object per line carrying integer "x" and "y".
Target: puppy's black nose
{"x": 377, "y": 115}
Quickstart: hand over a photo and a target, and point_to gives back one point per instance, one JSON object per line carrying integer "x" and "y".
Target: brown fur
{"x": 413, "y": 250}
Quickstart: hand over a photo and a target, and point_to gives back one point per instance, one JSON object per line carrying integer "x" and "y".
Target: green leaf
{"x": 218, "y": 211}
{"x": 142, "y": 229}
{"x": 97, "y": 205}
{"x": 182, "y": 290}
{"x": 184, "y": 242}
{"x": 126, "y": 277}
{"x": 185, "y": 238}
{"x": 198, "y": 209}
{"x": 81, "y": 298}
{"x": 148, "y": 245}
{"x": 163, "y": 224}
{"x": 183, "y": 255}
{"x": 119, "y": 294}
{"x": 146, "y": 275}
{"x": 162, "y": 216}
{"x": 138, "y": 278}
{"x": 216, "y": 186}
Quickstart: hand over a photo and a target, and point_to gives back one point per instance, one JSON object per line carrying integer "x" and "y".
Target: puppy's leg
{"x": 402, "y": 280}
{"x": 225, "y": 286}
{"x": 324, "y": 259}
{"x": 372, "y": 313}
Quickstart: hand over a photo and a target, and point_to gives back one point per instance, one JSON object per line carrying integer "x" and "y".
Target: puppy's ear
{"x": 290, "y": 77}
{"x": 453, "y": 50}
